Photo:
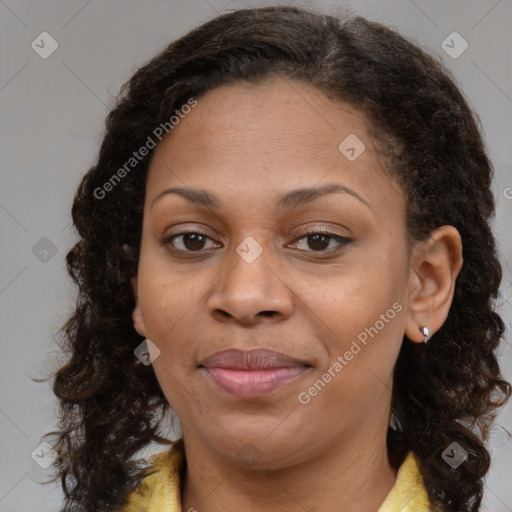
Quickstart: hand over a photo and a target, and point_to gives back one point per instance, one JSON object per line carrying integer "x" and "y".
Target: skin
{"x": 247, "y": 144}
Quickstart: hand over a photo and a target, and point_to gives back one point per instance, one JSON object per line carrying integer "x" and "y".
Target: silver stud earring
{"x": 426, "y": 332}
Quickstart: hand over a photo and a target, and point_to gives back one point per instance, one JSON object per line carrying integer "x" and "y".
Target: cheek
{"x": 169, "y": 315}
{"x": 169, "y": 302}
{"x": 361, "y": 325}
{"x": 354, "y": 298}
{"x": 360, "y": 313}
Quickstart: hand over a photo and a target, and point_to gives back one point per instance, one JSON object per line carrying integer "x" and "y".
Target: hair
{"x": 111, "y": 405}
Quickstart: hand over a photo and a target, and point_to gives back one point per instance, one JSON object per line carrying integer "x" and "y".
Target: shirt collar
{"x": 409, "y": 493}
{"x": 161, "y": 490}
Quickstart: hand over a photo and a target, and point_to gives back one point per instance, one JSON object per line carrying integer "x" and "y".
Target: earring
{"x": 426, "y": 332}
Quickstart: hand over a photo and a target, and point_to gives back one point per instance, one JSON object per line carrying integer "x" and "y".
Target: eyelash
{"x": 342, "y": 241}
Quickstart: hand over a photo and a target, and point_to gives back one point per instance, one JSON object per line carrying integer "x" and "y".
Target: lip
{"x": 248, "y": 374}
{"x": 256, "y": 359}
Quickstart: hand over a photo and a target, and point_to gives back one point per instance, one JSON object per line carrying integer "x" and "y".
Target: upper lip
{"x": 256, "y": 359}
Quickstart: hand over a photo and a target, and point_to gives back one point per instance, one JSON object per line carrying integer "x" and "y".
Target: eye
{"x": 192, "y": 241}
{"x": 319, "y": 241}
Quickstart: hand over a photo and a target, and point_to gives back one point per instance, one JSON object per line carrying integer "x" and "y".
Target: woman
{"x": 285, "y": 241}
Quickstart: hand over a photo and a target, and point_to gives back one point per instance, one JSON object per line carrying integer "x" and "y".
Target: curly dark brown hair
{"x": 111, "y": 405}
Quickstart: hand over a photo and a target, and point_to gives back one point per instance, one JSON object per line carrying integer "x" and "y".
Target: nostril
{"x": 267, "y": 313}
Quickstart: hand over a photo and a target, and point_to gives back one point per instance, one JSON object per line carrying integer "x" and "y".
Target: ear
{"x": 435, "y": 265}
{"x": 138, "y": 321}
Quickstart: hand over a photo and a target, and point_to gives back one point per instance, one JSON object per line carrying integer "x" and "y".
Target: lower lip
{"x": 253, "y": 383}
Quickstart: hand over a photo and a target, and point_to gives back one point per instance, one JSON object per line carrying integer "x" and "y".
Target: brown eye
{"x": 318, "y": 241}
{"x": 189, "y": 242}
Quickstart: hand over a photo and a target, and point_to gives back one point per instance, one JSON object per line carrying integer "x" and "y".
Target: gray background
{"x": 51, "y": 121}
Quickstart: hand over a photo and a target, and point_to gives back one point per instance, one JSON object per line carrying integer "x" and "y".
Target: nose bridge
{"x": 251, "y": 268}
{"x": 251, "y": 285}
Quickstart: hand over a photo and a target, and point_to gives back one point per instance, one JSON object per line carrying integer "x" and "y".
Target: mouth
{"x": 248, "y": 374}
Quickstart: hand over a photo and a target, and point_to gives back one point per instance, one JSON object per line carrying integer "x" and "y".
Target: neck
{"x": 349, "y": 476}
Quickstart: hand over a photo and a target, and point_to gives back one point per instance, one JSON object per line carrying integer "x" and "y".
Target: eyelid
{"x": 320, "y": 230}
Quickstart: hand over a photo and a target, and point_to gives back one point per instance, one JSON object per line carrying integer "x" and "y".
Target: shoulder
{"x": 409, "y": 493}
{"x": 160, "y": 491}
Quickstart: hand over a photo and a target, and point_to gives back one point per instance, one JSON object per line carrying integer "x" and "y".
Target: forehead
{"x": 277, "y": 117}
{"x": 265, "y": 139}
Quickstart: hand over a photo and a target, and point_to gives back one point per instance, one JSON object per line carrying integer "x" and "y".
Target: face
{"x": 319, "y": 277}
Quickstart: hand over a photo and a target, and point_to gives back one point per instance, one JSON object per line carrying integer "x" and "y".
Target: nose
{"x": 250, "y": 292}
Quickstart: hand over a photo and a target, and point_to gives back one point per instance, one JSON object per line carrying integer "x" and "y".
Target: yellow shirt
{"x": 161, "y": 491}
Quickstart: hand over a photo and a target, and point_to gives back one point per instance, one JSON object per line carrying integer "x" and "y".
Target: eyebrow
{"x": 288, "y": 200}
